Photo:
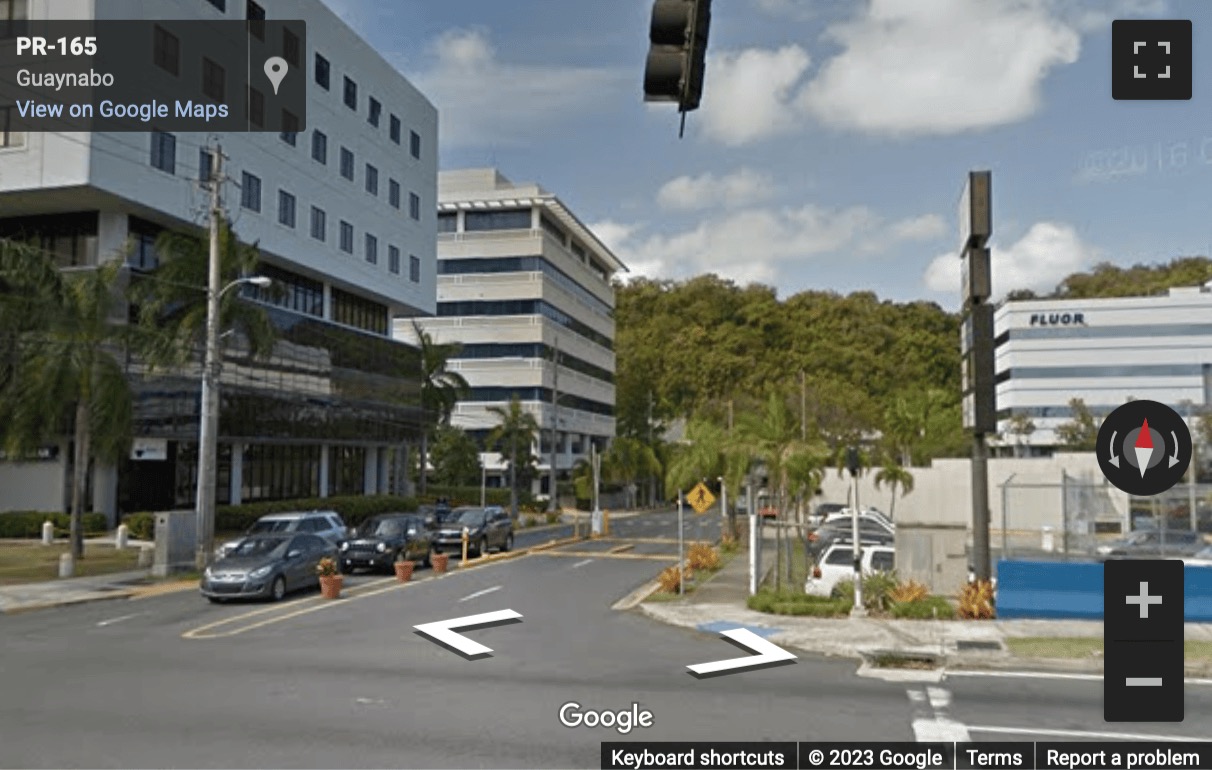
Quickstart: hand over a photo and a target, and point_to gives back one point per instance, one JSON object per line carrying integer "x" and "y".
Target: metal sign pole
{"x": 681, "y": 557}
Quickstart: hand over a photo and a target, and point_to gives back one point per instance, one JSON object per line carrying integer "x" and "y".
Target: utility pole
{"x": 209, "y": 419}
{"x": 651, "y": 479}
{"x": 555, "y": 427}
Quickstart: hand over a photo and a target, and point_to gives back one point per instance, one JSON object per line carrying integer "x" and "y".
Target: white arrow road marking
{"x": 442, "y": 631}
{"x": 111, "y": 621}
{"x": 582, "y": 563}
{"x": 480, "y": 593}
{"x": 1114, "y": 457}
{"x": 768, "y": 654}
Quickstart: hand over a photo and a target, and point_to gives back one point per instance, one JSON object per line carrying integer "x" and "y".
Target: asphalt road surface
{"x": 173, "y": 681}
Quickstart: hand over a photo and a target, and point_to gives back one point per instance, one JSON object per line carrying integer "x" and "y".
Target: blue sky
{"x": 833, "y": 139}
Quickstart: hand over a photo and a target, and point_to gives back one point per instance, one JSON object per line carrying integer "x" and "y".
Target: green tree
{"x": 1081, "y": 433}
{"x": 908, "y": 420}
{"x": 65, "y": 364}
{"x": 1019, "y": 429}
{"x": 455, "y": 458}
{"x": 628, "y": 460}
{"x": 441, "y": 389}
{"x": 513, "y": 437}
{"x": 894, "y": 476}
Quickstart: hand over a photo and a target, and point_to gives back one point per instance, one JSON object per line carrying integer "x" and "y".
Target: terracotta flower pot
{"x": 440, "y": 561}
{"x": 330, "y": 586}
{"x": 404, "y": 570}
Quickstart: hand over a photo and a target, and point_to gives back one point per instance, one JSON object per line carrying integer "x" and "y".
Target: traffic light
{"x": 678, "y": 52}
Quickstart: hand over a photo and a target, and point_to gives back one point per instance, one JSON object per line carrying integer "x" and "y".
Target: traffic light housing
{"x": 678, "y": 52}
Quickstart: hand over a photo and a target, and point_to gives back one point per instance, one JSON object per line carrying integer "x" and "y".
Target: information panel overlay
{"x": 1086, "y": 755}
{"x": 165, "y": 75}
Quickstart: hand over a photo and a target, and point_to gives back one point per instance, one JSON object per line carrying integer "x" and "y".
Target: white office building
{"x": 1103, "y": 351}
{"x": 343, "y": 212}
{"x": 521, "y": 278}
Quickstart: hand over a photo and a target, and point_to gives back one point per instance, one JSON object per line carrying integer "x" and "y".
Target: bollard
{"x": 122, "y": 536}
{"x": 605, "y": 522}
{"x": 48, "y": 532}
{"x": 67, "y": 565}
{"x": 466, "y": 538}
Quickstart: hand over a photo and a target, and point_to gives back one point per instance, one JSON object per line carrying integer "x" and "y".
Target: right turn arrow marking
{"x": 768, "y": 655}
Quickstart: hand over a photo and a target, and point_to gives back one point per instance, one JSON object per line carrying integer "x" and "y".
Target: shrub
{"x": 877, "y": 590}
{"x": 28, "y": 524}
{"x": 457, "y": 496}
{"x": 792, "y": 603}
{"x": 703, "y": 557}
{"x": 909, "y": 591}
{"x": 553, "y": 517}
{"x": 926, "y": 608}
{"x": 670, "y": 579}
{"x": 976, "y": 600}
{"x": 141, "y": 525}
{"x": 729, "y": 544}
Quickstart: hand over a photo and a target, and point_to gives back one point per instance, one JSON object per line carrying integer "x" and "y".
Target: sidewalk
{"x": 720, "y": 604}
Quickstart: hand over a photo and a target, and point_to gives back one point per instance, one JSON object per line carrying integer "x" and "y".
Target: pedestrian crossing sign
{"x": 701, "y": 498}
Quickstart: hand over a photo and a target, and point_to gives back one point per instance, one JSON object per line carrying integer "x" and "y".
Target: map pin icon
{"x": 275, "y": 70}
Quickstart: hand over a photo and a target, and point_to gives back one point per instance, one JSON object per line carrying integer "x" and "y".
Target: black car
{"x": 266, "y": 566}
{"x": 487, "y": 528}
{"x": 381, "y": 541}
{"x": 1153, "y": 544}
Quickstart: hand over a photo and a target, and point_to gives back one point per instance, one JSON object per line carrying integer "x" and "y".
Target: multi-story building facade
{"x": 521, "y": 281}
{"x": 343, "y": 213}
{"x": 1102, "y": 351}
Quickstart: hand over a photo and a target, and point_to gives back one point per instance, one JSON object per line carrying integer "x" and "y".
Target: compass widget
{"x": 1144, "y": 448}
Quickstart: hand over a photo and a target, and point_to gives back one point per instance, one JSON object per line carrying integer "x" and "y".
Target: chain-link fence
{"x": 1067, "y": 519}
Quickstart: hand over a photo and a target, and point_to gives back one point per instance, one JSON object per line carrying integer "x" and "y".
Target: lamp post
{"x": 208, "y": 430}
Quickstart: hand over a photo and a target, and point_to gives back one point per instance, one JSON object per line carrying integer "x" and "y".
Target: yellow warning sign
{"x": 701, "y": 498}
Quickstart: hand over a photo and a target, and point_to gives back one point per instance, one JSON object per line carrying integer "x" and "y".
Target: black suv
{"x": 487, "y": 528}
{"x": 382, "y": 540}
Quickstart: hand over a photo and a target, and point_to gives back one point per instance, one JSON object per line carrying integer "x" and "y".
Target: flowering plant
{"x": 327, "y": 567}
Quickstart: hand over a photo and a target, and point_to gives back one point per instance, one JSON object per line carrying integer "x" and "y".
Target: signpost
{"x": 681, "y": 549}
{"x": 976, "y": 351}
{"x": 701, "y": 498}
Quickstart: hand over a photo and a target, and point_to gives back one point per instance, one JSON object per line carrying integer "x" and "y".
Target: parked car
{"x": 1152, "y": 544}
{"x": 838, "y": 565}
{"x": 266, "y": 566}
{"x": 1201, "y": 558}
{"x": 381, "y": 541}
{"x": 865, "y": 514}
{"x": 487, "y": 529}
{"x": 324, "y": 524}
{"x": 870, "y": 531}
{"x": 822, "y": 511}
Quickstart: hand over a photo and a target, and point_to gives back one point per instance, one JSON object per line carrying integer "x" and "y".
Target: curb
{"x": 636, "y": 597}
{"x": 120, "y": 594}
{"x": 507, "y": 555}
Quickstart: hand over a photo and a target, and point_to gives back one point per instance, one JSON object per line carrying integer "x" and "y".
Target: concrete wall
{"x": 38, "y": 486}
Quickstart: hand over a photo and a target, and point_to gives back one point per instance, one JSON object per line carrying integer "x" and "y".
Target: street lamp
{"x": 208, "y": 429}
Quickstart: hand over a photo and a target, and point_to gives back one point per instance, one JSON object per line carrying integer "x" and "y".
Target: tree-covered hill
{"x": 1107, "y": 280}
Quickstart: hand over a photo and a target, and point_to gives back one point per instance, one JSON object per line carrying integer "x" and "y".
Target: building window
{"x": 448, "y": 222}
{"x": 393, "y": 129}
{"x": 290, "y": 127}
{"x": 347, "y": 163}
{"x": 523, "y": 307}
{"x": 372, "y": 249}
{"x": 351, "y": 94}
{"x": 250, "y": 192}
{"x": 288, "y": 290}
{"x": 164, "y": 152}
{"x": 256, "y": 107}
{"x": 166, "y": 49}
{"x": 476, "y": 221}
{"x": 205, "y": 164}
{"x": 319, "y": 224}
{"x": 372, "y": 179}
{"x": 483, "y": 265}
{"x": 414, "y": 144}
{"x": 375, "y": 111}
{"x": 220, "y": 4}
{"x": 256, "y": 20}
{"x": 414, "y": 206}
{"x": 290, "y": 48}
{"x": 414, "y": 268}
{"x": 393, "y": 259}
{"x": 319, "y": 147}
{"x": 352, "y": 310}
{"x": 213, "y": 77}
{"x": 393, "y": 193}
{"x": 286, "y": 208}
{"x": 346, "y": 237}
{"x": 322, "y": 72}
{"x": 552, "y": 228}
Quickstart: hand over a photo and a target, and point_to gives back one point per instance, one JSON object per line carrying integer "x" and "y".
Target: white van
{"x": 837, "y": 564}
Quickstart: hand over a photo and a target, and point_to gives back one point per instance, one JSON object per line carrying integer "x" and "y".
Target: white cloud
{"x": 1097, "y": 16}
{"x": 1045, "y": 255}
{"x": 793, "y": 9}
{"x": 484, "y": 100}
{"x": 741, "y": 187}
{"x": 920, "y": 228}
{"x": 746, "y": 93}
{"x": 939, "y": 66}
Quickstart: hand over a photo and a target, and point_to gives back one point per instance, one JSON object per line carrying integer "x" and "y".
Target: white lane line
{"x": 480, "y": 593}
{"x": 940, "y": 699}
{"x": 582, "y": 563}
{"x": 1051, "y": 675}
{"x": 916, "y": 697}
{"x": 111, "y": 621}
{"x": 1081, "y": 734}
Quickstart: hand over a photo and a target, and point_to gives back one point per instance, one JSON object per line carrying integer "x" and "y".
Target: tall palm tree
{"x": 441, "y": 388}
{"x": 894, "y": 476}
{"x": 64, "y": 364}
{"x": 516, "y": 433}
{"x": 628, "y": 460}
{"x": 710, "y": 451}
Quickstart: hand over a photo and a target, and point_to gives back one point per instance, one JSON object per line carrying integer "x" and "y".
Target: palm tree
{"x": 64, "y": 364}
{"x": 516, "y": 431}
{"x": 441, "y": 388}
{"x": 894, "y": 476}
{"x": 628, "y": 460}
{"x": 709, "y": 451}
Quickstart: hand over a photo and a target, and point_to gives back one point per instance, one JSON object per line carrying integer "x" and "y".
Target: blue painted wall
{"x": 1048, "y": 589}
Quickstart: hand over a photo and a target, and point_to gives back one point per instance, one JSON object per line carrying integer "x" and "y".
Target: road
{"x": 173, "y": 681}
